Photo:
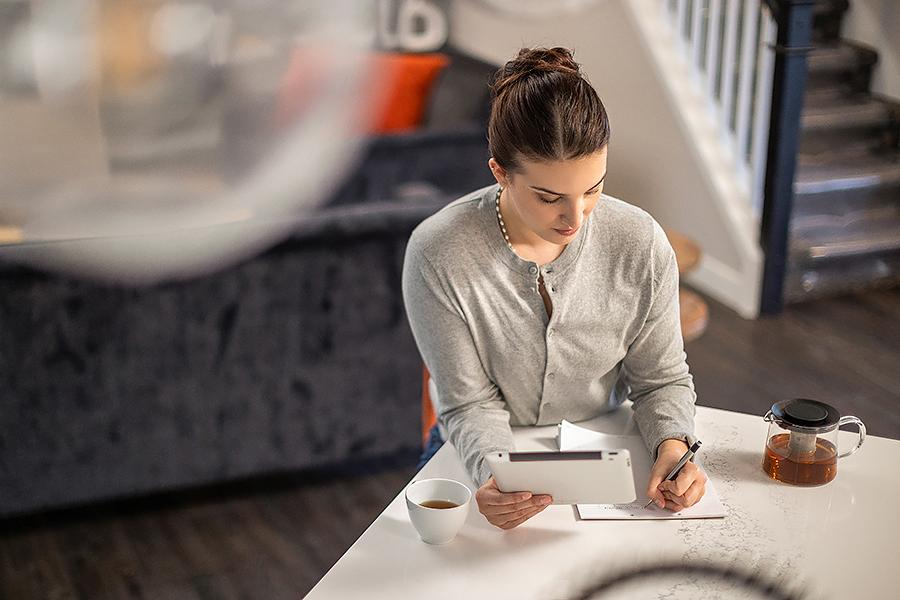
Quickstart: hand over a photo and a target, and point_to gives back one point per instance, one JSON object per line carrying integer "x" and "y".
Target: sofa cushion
{"x": 407, "y": 80}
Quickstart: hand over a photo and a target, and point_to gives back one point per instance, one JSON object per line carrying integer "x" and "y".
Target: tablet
{"x": 571, "y": 477}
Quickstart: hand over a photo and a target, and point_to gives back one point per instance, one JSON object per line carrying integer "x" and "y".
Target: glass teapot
{"x": 802, "y": 443}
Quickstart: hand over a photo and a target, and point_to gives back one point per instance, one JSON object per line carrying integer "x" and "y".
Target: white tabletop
{"x": 835, "y": 541}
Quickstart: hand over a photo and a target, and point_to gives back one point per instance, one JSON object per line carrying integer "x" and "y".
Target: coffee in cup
{"x": 438, "y": 504}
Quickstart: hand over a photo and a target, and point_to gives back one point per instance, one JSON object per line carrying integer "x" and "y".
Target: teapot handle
{"x": 862, "y": 433}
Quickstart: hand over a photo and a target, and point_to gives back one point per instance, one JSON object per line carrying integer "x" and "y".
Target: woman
{"x": 540, "y": 298}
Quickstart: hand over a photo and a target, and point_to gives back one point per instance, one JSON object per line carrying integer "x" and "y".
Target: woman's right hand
{"x": 508, "y": 510}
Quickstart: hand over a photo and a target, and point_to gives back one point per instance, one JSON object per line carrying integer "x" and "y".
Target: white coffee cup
{"x": 437, "y": 525}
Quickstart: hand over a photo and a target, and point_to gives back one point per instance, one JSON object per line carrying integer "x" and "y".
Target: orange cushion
{"x": 408, "y": 79}
{"x": 429, "y": 418}
{"x": 398, "y": 86}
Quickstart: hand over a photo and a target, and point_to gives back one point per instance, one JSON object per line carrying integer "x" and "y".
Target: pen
{"x": 677, "y": 468}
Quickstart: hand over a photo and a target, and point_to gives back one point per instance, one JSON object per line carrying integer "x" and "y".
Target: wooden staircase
{"x": 845, "y": 226}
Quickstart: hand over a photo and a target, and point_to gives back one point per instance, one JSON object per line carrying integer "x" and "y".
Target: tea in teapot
{"x": 801, "y": 446}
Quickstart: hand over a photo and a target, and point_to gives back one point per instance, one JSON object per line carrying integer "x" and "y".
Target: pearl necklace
{"x": 506, "y": 235}
{"x": 500, "y": 221}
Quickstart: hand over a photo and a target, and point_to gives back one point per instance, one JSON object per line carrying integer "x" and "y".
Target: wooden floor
{"x": 278, "y": 541}
{"x": 273, "y": 544}
{"x": 845, "y": 352}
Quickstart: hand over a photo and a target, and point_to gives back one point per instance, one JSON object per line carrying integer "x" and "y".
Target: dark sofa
{"x": 298, "y": 358}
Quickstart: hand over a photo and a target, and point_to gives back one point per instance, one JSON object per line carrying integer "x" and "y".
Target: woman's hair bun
{"x": 544, "y": 108}
{"x": 548, "y": 59}
{"x": 535, "y": 60}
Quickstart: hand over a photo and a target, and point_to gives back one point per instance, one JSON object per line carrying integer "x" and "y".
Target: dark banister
{"x": 795, "y": 20}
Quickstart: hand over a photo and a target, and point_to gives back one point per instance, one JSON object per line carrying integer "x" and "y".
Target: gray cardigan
{"x": 498, "y": 361}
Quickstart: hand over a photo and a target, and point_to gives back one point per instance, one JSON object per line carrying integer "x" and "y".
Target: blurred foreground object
{"x": 140, "y": 140}
{"x": 679, "y": 580}
{"x": 537, "y": 8}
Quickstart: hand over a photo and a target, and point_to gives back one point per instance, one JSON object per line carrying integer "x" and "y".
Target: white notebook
{"x": 573, "y": 437}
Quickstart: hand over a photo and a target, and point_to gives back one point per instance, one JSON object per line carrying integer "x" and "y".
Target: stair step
{"x": 827, "y": 17}
{"x": 824, "y": 105}
{"x": 841, "y": 63}
{"x": 829, "y": 7}
{"x": 835, "y": 117}
{"x": 831, "y": 255}
{"x": 840, "y": 57}
{"x": 853, "y": 173}
{"x": 821, "y": 149}
{"x": 847, "y": 276}
{"x": 823, "y": 95}
{"x": 847, "y": 113}
{"x": 837, "y": 182}
{"x": 822, "y": 237}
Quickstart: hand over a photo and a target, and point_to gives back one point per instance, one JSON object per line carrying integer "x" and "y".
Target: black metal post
{"x": 795, "y": 20}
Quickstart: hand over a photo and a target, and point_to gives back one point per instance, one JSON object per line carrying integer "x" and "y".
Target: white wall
{"x": 877, "y": 23}
{"x": 654, "y": 160}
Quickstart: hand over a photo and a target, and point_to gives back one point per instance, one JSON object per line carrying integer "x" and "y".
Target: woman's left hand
{"x": 686, "y": 489}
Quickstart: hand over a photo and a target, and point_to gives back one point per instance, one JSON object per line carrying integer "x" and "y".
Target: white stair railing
{"x": 729, "y": 47}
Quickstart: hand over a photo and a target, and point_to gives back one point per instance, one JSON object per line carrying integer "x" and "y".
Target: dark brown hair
{"x": 544, "y": 109}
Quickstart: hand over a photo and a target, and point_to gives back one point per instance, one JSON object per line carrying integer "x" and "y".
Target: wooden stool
{"x": 694, "y": 311}
{"x": 694, "y": 315}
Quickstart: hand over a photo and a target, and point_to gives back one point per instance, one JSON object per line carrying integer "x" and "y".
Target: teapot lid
{"x": 803, "y": 412}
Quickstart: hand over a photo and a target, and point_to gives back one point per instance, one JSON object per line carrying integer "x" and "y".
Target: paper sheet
{"x": 573, "y": 437}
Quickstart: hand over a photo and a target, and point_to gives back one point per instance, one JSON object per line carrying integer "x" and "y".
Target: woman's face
{"x": 553, "y": 199}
